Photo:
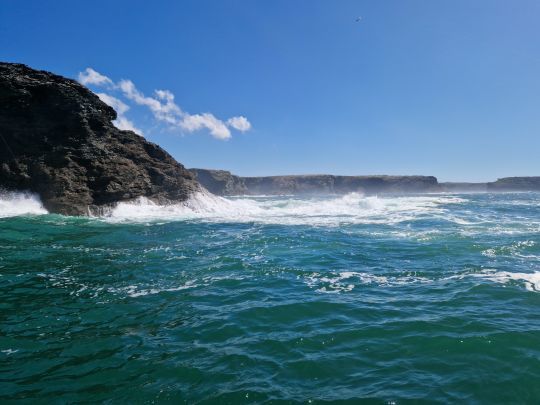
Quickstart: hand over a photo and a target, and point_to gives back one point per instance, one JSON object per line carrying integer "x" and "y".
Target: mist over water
{"x": 428, "y": 297}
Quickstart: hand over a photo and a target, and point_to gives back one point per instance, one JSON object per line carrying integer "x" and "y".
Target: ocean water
{"x": 429, "y": 298}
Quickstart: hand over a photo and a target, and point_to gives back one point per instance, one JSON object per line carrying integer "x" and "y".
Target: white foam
{"x": 531, "y": 280}
{"x": 346, "y": 281}
{"x": 516, "y": 249}
{"x": 134, "y": 291}
{"x": 351, "y": 208}
{"x": 14, "y": 204}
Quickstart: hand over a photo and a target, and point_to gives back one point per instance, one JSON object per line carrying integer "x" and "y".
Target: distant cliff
{"x": 225, "y": 183}
{"x": 220, "y": 182}
{"x": 515, "y": 184}
{"x": 57, "y": 140}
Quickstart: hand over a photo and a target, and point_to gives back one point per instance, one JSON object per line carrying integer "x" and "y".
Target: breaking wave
{"x": 352, "y": 208}
{"x": 19, "y": 203}
{"x": 530, "y": 280}
{"x": 287, "y": 210}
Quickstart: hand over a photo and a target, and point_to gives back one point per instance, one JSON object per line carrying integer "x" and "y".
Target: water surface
{"x": 426, "y": 298}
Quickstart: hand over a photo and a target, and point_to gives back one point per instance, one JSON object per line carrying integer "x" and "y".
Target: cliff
{"x": 220, "y": 182}
{"x": 515, "y": 184}
{"x": 224, "y": 183}
{"x": 58, "y": 141}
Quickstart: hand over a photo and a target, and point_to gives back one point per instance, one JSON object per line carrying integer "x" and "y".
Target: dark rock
{"x": 57, "y": 139}
{"x": 224, "y": 183}
{"x": 515, "y": 184}
{"x": 220, "y": 182}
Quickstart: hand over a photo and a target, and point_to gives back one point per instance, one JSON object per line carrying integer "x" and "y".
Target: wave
{"x": 347, "y": 280}
{"x": 531, "y": 280}
{"x": 352, "y": 208}
{"x": 341, "y": 282}
{"x": 14, "y": 204}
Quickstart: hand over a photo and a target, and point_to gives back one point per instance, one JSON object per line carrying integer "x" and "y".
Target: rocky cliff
{"x": 515, "y": 184}
{"x": 220, "y": 182}
{"x": 57, "y": 139}
{"x": 224, "y": 183}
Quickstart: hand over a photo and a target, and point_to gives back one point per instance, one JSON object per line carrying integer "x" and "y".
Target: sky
{"x": 443, "y": 88}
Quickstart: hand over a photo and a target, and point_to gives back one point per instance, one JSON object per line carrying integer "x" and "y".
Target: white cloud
{"x": 121, "y": 121}
{"x": 131, "y": 92}
{"x": 124, "y": 124}
{"x": 239, "y": 123}
{"x": 163, "y": 108}
{"x": 119, "y": 106}
{"x": 166, "y": 111}
{"x": 90, "y": 76}
{"x": 195, "y": 122}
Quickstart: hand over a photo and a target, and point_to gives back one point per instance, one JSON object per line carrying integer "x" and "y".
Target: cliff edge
{"x": 222, "y": 182}
{"x": 531, "y": 183}
{"x": 57, "y": 140}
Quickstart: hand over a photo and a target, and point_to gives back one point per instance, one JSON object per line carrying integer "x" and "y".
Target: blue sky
{"x": 445, "y": 88}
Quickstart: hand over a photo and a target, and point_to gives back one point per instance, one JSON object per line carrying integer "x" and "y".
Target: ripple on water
{"x": 275, "y": 299}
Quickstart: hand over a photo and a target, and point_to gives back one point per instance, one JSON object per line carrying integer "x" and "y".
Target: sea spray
{"x": 15, "y": 203}
{"x": 288, "y": 210}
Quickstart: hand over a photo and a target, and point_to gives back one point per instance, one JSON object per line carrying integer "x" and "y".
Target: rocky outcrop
{"x": 57, "y": 140}
{"x": 224, "y": 183}
{"x": 515, "y": 184}
{"x": 220, "y": 182}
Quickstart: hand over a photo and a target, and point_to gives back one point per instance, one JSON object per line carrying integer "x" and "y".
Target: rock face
{"x": 224, "y": 183}
{"x": 515, "y": 184}
{"x": 220, "y": 182}
{"x": 57, "y": 139}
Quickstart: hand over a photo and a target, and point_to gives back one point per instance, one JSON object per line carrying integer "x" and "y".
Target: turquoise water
{"x": 428, "y": 298}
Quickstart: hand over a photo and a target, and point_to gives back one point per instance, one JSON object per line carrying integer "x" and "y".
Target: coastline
{"x": 225, "y": 183}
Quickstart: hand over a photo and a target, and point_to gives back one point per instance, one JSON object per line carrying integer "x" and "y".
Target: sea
{"x": 395, "y": 299}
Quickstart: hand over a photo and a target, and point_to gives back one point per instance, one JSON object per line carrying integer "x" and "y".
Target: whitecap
{"x": 531, "y": 280}
{"x": 16, "y": 203}
{"x": 352, "y": 208}
{"x": 346, "y": 281}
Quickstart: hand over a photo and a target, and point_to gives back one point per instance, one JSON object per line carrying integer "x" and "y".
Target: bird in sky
{"x": 358, "y": 19}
